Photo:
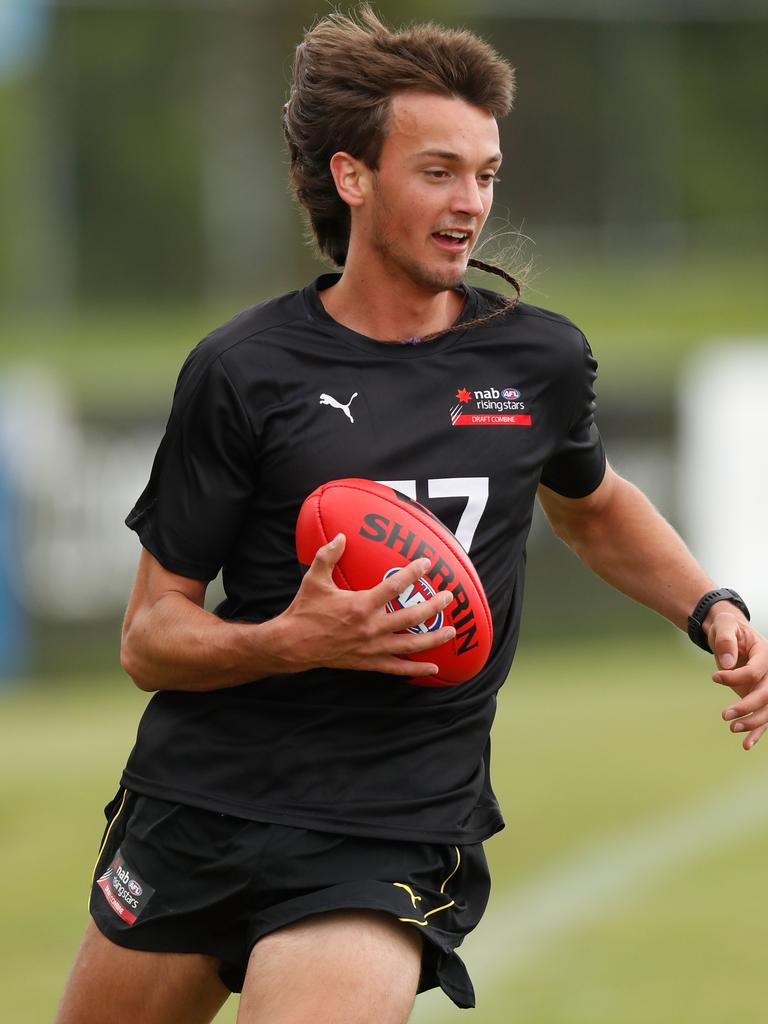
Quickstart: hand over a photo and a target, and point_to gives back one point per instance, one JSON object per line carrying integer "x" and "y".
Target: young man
{"x": 297, "y": 819}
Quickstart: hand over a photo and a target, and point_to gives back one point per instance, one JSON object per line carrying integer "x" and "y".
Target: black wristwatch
{"x": 699, "y": 613}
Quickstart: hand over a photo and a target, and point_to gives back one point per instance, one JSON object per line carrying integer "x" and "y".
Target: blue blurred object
{"x": 14, "y": 628}
{"x": 23, "y": 25}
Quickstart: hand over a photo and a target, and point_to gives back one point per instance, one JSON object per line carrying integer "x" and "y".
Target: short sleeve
{"x": 203, "y": 476}
{"x": 578, "y": 465}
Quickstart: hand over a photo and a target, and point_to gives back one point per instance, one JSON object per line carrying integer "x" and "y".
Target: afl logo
{"x": 134, "y": 887}
{"x": 416, "y": 593}
{"x": 510, "y": 393}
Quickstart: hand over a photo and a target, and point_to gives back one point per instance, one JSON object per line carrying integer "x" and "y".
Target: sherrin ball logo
{"x": 511, "y": 393}
{"x": 134, "y": 887}
{"x": 416, "y": 593}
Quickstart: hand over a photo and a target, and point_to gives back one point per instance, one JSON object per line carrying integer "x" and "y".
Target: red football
{"x": 386, "y": 530}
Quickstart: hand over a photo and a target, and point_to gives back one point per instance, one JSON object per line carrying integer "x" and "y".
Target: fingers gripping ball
{"x": 386, "y": 530}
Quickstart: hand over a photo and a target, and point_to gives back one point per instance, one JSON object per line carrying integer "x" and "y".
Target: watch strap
{"x": 699, "y": 613}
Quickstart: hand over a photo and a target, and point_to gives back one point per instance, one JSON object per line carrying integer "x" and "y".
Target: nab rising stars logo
{"x": 418, "y": 592}
{"x": 490, "y": 407}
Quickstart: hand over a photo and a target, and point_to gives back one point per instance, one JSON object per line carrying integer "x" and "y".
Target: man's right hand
{"x": 325, "y": 626}
{"x": 170, "y": 642}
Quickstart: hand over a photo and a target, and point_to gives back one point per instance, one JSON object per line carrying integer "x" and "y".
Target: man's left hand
{"x": 741, "y": 654}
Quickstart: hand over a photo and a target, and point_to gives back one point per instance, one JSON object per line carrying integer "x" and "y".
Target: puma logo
{"x": 330, "y": 400}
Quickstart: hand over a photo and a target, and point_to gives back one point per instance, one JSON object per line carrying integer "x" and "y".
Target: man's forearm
{"x": 171, "y": 643}
{"x": 622, "y": 538}
{"x": 176, "y": 645}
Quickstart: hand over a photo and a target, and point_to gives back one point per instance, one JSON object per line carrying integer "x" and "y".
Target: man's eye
{"x": 490, "y": 179}
{"x": 437, "y": 174}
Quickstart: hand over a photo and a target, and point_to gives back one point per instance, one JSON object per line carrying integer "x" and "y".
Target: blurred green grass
{"x": 590, "y": 740}
{"x": 644, "y": 318}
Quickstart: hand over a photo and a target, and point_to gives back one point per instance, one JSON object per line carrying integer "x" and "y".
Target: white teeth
{"x": 456, "y": 234}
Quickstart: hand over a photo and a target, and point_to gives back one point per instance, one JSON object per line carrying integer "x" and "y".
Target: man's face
{"x": 433, "y": 188}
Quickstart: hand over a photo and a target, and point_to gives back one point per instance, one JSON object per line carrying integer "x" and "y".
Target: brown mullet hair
{"x": 345, "y": 72}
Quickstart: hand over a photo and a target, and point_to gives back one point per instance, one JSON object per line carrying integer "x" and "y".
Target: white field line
{"x": 597, "y": 878}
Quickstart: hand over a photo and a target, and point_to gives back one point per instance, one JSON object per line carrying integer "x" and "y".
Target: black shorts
{"x": 174, "y": 878}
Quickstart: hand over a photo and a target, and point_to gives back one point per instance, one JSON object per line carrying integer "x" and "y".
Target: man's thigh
{"x": 178, "y": 879}
{"x": 113, "y": 985}
{"x": 341, "y": 967}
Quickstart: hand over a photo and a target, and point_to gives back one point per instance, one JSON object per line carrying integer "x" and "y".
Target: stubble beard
{"x": 426, "y": 277}
{"x": 423, "y": 276}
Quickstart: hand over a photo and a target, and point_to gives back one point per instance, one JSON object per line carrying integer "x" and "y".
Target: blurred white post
{"x": 723, "y": 466}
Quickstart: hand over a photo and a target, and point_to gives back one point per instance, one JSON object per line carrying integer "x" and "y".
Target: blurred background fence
{"x": 144, "y": 199}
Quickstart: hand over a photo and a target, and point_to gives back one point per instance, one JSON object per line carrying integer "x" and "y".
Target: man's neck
{"x": 389, "y": 310}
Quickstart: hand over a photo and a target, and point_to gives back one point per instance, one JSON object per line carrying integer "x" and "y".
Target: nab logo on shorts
{"x": 126, "y": 894}
{"x": 416, "y": 593}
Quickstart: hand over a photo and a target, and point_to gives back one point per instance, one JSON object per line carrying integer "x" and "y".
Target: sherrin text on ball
{"x": 385, "y": 530}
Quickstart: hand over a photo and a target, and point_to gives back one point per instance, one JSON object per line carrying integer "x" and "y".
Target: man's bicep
{"x": 563, "y": 511}
{"x": 579, "y": 465}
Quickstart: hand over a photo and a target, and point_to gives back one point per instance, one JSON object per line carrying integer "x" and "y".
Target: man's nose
{"x": 468, "y": 198}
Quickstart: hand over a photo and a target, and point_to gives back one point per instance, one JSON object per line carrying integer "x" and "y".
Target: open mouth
{"x": 452, "y": 239}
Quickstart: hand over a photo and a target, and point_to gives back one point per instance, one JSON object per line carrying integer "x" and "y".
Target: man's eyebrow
{"x": 445, "y": 154}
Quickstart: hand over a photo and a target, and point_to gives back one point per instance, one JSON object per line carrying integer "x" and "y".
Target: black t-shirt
{"x": 279, "y": 400}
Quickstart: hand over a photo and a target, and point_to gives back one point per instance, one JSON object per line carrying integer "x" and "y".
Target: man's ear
{"x": 351, "y": 178}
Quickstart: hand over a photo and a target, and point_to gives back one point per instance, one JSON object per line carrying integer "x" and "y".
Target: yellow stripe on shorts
{"x": 104, "y": 843}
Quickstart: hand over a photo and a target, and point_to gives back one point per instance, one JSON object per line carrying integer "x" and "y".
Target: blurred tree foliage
{"x": 725, "y": 120}
{"x": 144, "y": 159}
{"x": 135, "y": 121}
